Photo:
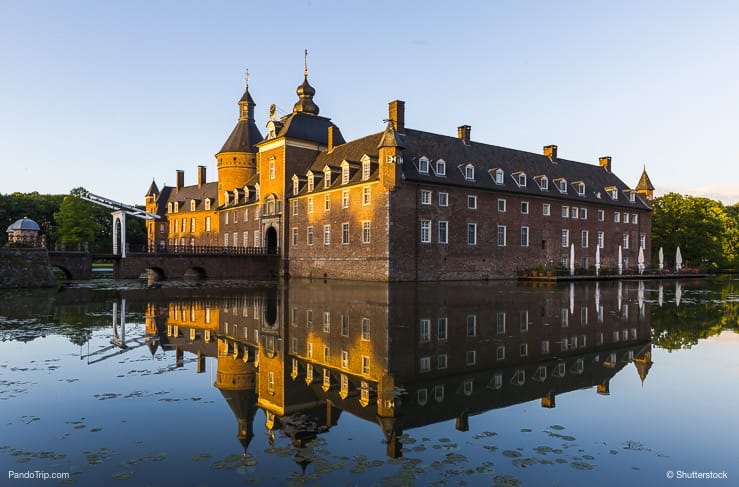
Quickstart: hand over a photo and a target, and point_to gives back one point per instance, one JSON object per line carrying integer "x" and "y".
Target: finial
{"x": 305, "y": 63}
{"x": 246, "y": 77}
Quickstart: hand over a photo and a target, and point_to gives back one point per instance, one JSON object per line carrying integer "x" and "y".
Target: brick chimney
{"x": 330, "y": 138}
{"x": 605, "y": 162}
{"x": 201, "y": 176}
{"x": 397, "y": 115}
{"x": 180, "y": 178}
{"x": 463, "y": 133}
{"x": 550, "y": 151}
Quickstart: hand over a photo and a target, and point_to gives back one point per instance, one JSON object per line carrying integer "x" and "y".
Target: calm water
{"x": 344, "y": 383}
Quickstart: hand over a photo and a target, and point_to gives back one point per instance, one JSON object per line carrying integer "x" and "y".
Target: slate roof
{"x": 644, "y": 182}
{"x": 243, "y": 138}
{"x": 313, "y": 128}
{"x": 484, "y": 158}
{"x": 187, "y": 193}
{"x": 153, "y": 190}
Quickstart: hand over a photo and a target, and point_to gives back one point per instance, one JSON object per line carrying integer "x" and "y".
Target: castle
{"x": 400, "y": 204}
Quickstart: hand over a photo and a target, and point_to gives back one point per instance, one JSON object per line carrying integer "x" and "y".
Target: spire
{"x": 644, "y": 182}
{"x": 246, "y": 103}
{"x": 153, "y": 190}
{"x": 305, "y": 93}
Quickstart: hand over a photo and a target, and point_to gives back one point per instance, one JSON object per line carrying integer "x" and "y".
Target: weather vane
{"x": 246, "y": 77}
{"x": 305, "y": 63}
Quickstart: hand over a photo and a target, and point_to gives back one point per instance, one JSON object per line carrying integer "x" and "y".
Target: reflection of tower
{"x": 236, "y": 379}
{"x": 643, "y": 362}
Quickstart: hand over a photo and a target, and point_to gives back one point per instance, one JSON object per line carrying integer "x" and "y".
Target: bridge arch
{"x": 271, "y": 240}
{"x": 195, "y": 274}
{"x": 60, "y": 270}
{"x": 154, "y": 274}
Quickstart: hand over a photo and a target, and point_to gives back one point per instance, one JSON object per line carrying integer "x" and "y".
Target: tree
{"x": 76, "y": 220}
{"x": 705, "y": 231}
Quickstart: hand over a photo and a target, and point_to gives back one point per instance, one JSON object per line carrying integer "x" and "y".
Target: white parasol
{"x": 678, "y": 259}
{"x": 620, "y": 260}
{"x": 661, "y": 259}
{"x": 597, "y": 259}
{"x": 572, "y": 259}
{"x": 640, "y": 260}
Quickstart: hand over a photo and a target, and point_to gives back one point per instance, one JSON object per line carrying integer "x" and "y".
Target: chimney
{"x": 550, "y": 151}
{"x": 605, "y": 162}
{"x": 330, "y": 138}
{"x": 463, "y": 133}
{"x": 180, "y": 179}
{"x": 397, "y": 115}
{"x": 201, "y": 176}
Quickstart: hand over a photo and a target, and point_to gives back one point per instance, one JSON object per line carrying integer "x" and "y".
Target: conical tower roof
{"x": 246, "y": 134}
{"x": 644, "y": 182}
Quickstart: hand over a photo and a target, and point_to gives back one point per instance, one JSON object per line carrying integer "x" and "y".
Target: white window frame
{"x": 425, "y": 231}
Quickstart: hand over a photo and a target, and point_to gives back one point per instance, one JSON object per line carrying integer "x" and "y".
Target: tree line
{"x": 69, "y": 220}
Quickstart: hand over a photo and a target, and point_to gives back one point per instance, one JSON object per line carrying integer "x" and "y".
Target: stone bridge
{"x": 210, "y": 266}
{"x": 75, "y": 265}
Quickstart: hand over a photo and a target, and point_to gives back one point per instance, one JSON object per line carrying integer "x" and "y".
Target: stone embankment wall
{"x": 25, "y": 268}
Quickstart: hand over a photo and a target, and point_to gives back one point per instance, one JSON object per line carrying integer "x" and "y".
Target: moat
{"x": 355, "y": 383}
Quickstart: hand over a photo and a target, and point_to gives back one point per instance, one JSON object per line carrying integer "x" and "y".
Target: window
{"x": 345, "y": 325}
{"x": 472, "y": 233}
{"x": 310, "y": 205}
{"x": 326, "y": 234}
{"x": 235, "y": 239}
{"x": 366, "y": 231}
{"x": 365, "y": 365}
{"x": 207, "y": 224}
{"x": 440, "y": 167}
{"x": 612, "y": 192}
{"x": 441, "y": 361}
{"x": 471, "y": 357}
{"x": 225, "y": 215}
{"x": 327, "y": 202}
{"x": 425, "y": 197}
{"x": 523, "y": 321}
{"x": 295, "y": 237}
{"x": 365, "y": 195}
{"x": 524, "y": 236}
{"x": 634, "y": 218}
{"x": 561, "y": 185}
{"x": 425, "y": 330}
{"x": 257, "y": 239}
{"x": 501, "y": 205}
{"x": 309, "y": 235}
{"x": 345, "y": 233}
{"x": 601, "y": 215}
{"x": 520, "y": 179}
{"x": 469, "y": 172}
{"x": 425, "y": 231}
{"x": 443, "y": 199}
{"x": 584, "y": 239}
{"x": 365, "y": 329}
{"x": 583, "y": 213}
{"x": 626, "y": 241}
{"x": 501, "y": 235}
{"x": 600, "y": 239}
{"x": 471, "y": 325}
{"x": 365, "y": 170}
{"x": 525, "y": 207}
{"x": 523, "y": 350}
{"x": 207, "y": 204}
{"x": 192, "y": 225}
{"x": 424, "y": 364}
{"x": 574, "y": 212}
{"x": 423, "y": 165}
{"x": 345, "y": 198}
{"x": 626, "y": 217}
{"x": 345, "y": 173}
{"x": 543, "y": 183}
{"x": 271, "y": 168}
{"x": 443, "y": 232}
{"x": 500, "y": 322}
{"x": 246, "y": 214}
{"x": 579, "y": 187}
{"x": 498, "y": 176}
{"x": 471, "y": 202}
{"x": 441, "y": 331}
{"x": 565, "y": 238}
{"x": 345, "y": 359}
{"x": 616, "y": 217}
{"x": 225, "y": 240}
{"x": 326, "y": 178}
{"x": 643, "y": 241}
{"x": 565, "y": 212}
{"x": 546, "y": 209}
{"x": 192, "y": 205}
{"x": 311, "y": 181}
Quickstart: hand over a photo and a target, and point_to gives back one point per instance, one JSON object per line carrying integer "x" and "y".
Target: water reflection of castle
{"x": 404, "y": 355}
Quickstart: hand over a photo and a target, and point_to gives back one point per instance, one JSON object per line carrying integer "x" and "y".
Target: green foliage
{"x": 76, "y": 219}
{"x": 37, "y": 207}
{"x": 706, "y": 231}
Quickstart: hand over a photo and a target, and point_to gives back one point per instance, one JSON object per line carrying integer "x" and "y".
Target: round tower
{"x": 237, "y": 159}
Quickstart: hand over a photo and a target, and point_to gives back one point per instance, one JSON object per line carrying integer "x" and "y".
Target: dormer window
{"x": 441, "y": 167}
{"x": 207, "y": 204}
{"x": 192, "y": 205}
{"x": 632, "y": 195}
{"x": 236, "y": 196}
{"x": 365, "y": 168}
{"x": 296, "y": 185}
{"x": 176, "y": 206}
{"x": 520, "y": 178}
{"x": 344, "y": 172}
{"x": 423, "y": 165}
{"x": 326, "y": 177}
{"x": 169, "y": 207}
{"x": 311, "y": 181}
{"x": 612, "y": 192}
{"x": 579, "y": 187}
{"x": 543, "y": 182}
{"x": 469, "y": 172}
{"x": 256, "y": 192}
{"x": 226, "y": 197}
{"x": 561, "y": 185}
{"x": 497, "y": 175}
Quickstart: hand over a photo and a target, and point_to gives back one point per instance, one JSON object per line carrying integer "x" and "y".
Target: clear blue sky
{"x": 108, "y": 95}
